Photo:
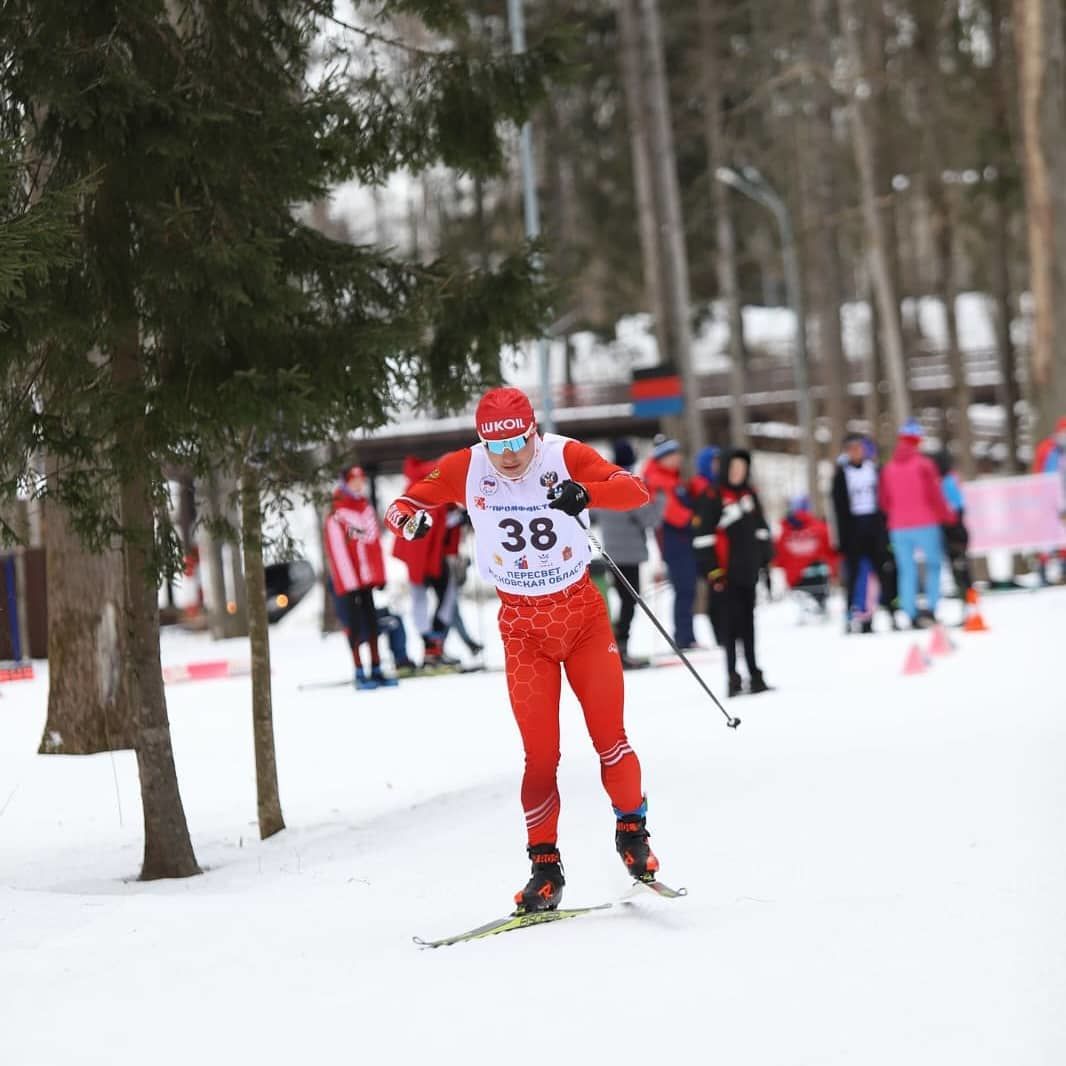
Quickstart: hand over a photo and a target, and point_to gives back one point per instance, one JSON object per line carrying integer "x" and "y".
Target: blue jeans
{"x": 905, "y": 543}
{"x": 680, "y": 559}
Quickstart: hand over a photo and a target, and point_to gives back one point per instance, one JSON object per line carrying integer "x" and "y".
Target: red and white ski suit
{"x": 551, "y": 615}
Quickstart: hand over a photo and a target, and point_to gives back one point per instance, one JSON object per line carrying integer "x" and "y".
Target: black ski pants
{"x": 738, "y": 619}
{"x": 628, "y": 606}
{"x": 362, "y": 623}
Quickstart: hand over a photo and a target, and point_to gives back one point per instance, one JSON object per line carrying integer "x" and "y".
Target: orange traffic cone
{"x": 916, "y": 662}
{"x": 941, "y": 642}
{"x": 974, "y": 622}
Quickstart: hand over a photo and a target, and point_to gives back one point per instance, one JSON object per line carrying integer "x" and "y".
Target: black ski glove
{"x": 569, "y": 497}
{"x": 417, "y": 526}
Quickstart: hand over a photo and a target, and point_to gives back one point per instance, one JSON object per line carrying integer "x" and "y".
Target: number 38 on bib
{"x": 524, "y": 546}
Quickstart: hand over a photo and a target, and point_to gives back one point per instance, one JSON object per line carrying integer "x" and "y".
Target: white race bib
{"x": 523, "y": 546}
{"x": 862, "y": 487}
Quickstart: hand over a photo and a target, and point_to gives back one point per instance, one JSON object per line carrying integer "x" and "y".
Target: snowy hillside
{"x": 875, "y": 867}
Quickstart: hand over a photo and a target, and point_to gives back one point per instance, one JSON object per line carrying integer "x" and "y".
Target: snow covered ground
{"x": 875, "y": 865}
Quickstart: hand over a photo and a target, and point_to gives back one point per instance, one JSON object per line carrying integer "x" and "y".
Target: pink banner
{"x": 1014, "y": 513}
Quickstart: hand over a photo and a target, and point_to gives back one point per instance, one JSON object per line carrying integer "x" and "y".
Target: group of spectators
{"x": 356, "y": 569}
{"x": 711, "y": 531}
{"x": 894, "y": 526}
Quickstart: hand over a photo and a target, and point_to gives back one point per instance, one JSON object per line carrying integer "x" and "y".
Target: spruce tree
{"x": 203, "y": 320}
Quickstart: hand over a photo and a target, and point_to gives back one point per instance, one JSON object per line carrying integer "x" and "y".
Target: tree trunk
{"x": 728, "y": 283}
{"x": 213, "y": 564}
{"x": 668, "y": 196}
{"x": 266, "y": 770}
{"x": 223, "y": 594}
{"x": 948, "y": 292}
{"x": 829, "y": 274}
{"x": 88, "y": 701}
{"x": 640, "y": 154}
{"x": 877, "y": 252}
{"x": 871, "y": 407}
{"x": 1039, "y": 44}
{"x": 1004, "y": 94}
{"x": 167, "y": 848}
{"x": 931, "y": 91}
{"x": 239, "y": 619}
{"x": 1009, "y": 390}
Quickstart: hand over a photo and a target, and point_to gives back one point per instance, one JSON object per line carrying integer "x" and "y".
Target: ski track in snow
{"x": 875, "y": 865}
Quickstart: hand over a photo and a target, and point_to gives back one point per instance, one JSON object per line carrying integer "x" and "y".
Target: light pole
{"x": 752, "y": 184}
{"x": 516, "y": 18}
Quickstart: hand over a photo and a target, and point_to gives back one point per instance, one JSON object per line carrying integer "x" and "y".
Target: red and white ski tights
{"x": 541, "y": 634}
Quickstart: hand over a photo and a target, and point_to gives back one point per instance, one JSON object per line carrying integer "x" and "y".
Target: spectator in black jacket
{"x": 732, "y": 545}
{"x": 862, "y": 534}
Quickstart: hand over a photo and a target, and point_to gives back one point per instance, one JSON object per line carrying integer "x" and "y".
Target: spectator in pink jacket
{"x": 914, "y": 504}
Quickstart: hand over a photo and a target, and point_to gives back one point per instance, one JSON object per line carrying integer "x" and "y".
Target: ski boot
{"x": 631, "y": 841}
{"x": 381, "y": 678}
{"x": 544, "y": 890}
{"x": 758, "y": 683}
{"x": 435, "y": 660}
{"x": 364, "y": 681}
{"x": 736, "y": 686}
{"x": 405, "y": 668}
{"x": 630, "y": 662}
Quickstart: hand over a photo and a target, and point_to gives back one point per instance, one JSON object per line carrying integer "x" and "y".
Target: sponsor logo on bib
{"x": 549, "y": 479}
{"x": 489, "y": 484}
{"x": 568, "y": 554}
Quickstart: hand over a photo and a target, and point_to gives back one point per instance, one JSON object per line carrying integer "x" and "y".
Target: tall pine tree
{"x": 204, "y": 320}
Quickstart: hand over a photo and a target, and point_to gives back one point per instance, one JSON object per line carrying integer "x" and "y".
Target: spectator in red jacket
{"x": 427, "y": 567}
{"x": 805, "y": 553}
{"x": 914, "y": 504}
{"x": 356, "y": 568}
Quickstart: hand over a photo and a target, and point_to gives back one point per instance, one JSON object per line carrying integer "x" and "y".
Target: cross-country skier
{"x": 523, "y": 491}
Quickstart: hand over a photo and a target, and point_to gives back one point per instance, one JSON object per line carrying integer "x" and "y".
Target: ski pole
{"x": 731, "y": 720}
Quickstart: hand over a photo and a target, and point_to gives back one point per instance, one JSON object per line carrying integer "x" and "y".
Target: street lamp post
{"x": 752, "y": 184}
{"x": 516, "y": 18}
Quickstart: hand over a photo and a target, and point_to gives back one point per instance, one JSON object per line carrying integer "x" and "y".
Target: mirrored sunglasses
{"x": 510, "y": 444}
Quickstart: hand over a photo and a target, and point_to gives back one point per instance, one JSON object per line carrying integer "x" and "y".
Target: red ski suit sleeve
{"x": 609, "y": 487}
{"x": 444, "y": 484}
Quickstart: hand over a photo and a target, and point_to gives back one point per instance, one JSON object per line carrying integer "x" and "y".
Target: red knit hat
{"x": 502, "y": 413}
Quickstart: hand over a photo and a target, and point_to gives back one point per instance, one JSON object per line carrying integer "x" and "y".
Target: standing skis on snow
{"x": 356, "y": 568}
{"x": 517, "y": 486}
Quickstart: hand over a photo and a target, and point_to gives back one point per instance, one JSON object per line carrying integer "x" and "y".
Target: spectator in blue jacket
{"x": 956, "y": 535}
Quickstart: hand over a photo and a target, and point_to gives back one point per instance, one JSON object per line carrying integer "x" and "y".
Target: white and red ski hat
{"x": 504, "y": 413}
